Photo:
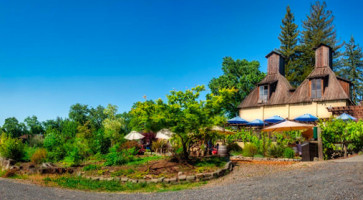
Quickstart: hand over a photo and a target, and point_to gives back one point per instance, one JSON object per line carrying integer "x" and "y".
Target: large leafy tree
{"x": 317, "y": 28}
{"x": 148, "y": 115}
{"x": 288, "y": 48}
{"x": 96, "y": 117}
{"x": 183, "y": 113}
{"x": 113, "y": 123}
{"x": 352, "y": 68}
{"x": 79, "y": 113}
{"x": 33, "y": 125}
{"x": 13, "y": 127}
{"x": 239, "y": 74}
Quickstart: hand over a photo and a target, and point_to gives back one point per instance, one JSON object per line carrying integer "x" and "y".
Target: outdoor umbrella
{"x": 165, "y": 134}
{"x": 274, "y": 119}
{"x": 256, "y": 122}
{"x": 346, "y": 117}
{"x": 306, "y": 118}
{"x": 287, "y": 126}
{"x": 134, "y": 135}
{"x": 237, "y": 120}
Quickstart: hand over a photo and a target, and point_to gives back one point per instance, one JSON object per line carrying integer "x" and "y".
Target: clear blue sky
{"x": 57, "y": 53}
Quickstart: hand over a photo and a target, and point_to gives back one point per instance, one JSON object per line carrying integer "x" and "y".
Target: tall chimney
{"x": 275, "y": 64}
{"x": 323, "y": 56}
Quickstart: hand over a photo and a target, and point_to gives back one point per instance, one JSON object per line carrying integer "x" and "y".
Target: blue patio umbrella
{"x": 306, "y": 118}
{"x": 256, "y": 122}
{"x": 237, "y": 120}
{"x": 346, "y": 117}
{"x": 274, "y": 119}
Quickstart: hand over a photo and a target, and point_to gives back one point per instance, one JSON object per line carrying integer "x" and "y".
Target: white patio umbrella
{"x": 287, "y": 126}
{"x": 134, "y": 135}
{"x": 164, "y": 133}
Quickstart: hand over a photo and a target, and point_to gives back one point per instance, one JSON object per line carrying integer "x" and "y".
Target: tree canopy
{"x": 242, "y": 75}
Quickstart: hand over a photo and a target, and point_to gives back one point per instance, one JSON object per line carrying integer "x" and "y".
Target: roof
{"x": 319, "y": 72}
{"x": 276, "y": 52}
{"x": 322, "y": 44}
{"x": 333, "y": 90}
{"x": 280, "y": 96}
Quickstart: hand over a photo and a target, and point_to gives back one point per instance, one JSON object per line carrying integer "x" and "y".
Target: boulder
{"x": 190, "y": 178}
{"x": 182, "y": 177}
{"x": 124, "y": 179}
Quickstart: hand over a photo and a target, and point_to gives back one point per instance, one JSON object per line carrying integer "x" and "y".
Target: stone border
{"x": 242, "y": 158}
{"x": 228, "y": 167}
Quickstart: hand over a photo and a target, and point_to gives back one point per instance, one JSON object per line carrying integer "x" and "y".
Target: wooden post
{"x": 320, "y": 145}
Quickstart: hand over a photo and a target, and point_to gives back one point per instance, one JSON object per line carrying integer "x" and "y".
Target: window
{"x": 263, "y": 93}
{"x": 316, "y": 88}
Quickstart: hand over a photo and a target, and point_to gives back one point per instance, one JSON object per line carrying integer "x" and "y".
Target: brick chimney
{"x": 275, "y": 64}
{"x": 323, "y": 56}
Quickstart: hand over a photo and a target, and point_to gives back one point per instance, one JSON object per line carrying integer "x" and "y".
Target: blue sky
{"x": 57, "y": 53}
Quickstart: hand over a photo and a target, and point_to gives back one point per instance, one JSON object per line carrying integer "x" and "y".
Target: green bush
{"x": 289, "y": 153}
{"x": 276, "y": 151}
{"x": 91, "y": 167}
{"x": 39, "y": 156}
{"x": 11, "y": 148}
{"x": 234, "y": 147}
{"x": 249, "y": 150}
{"x": 120, "y": 158}
{"x": 258, "y": 156}
{"x": 29, "y": 151}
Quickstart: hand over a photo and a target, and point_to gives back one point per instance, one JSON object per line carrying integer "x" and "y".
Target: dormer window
{"x": 263, "y": 93}
{"x": 316, "y": 88}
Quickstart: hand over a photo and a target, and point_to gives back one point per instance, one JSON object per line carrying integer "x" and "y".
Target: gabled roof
{"x": 332, "y": 91}
{"x": 280, "y": 96}
{"x": 272, "y": 52}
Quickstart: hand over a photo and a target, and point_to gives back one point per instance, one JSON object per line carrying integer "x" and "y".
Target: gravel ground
{"x": 341, "y": 179}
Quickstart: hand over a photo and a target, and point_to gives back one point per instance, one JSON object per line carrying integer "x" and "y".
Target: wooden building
{"x": 274, "y": 95}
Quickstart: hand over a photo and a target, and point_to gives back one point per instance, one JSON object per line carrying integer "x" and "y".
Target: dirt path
{"x": 341, "y": 179}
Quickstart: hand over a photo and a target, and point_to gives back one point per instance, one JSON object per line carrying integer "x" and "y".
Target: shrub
{"x": 249, "y": 150}
{"x": 276, "y": 151}
{"x": 28, "y": 153}
{"x": 11, "y": 148}
{"x": 258, "y": 156}
{"x": 120, "y": 158}
{"x": 91, "y": 167}
{"x": 39, "y": 156}
{"x": 129, "y": 145}
{"x": 234, "y": 147}
{"x": 158, "y": 146}
{"x": 289, "y": 153}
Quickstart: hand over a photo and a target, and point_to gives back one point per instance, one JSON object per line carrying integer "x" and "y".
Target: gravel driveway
{"x": 341, "y": 179}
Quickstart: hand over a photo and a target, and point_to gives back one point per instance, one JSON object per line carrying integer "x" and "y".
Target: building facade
{"x": 274, "y": 95}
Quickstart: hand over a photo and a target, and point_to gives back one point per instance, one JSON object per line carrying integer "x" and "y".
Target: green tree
{"x": 352, "y": 68}
{"x": 317, "y": 28}
{"x": 79, "y": 113}
{"x": 147, "y": 116}
{"x": 288, "y": 48}
{"x": 13, "y": 127}
{"x": 96, "y": 116}
{"x": 239, "y": 74}
{"x": 113, "y": 123}
{"x": 34, "y": 127}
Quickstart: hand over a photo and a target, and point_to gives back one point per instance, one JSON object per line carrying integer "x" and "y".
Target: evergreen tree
{"x": 289, "y": 38}
{"x": 352, "y": 68}
{"x": 317, "y": 28}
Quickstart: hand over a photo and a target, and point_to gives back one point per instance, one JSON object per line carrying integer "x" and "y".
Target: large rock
{"x": 182, "y": 177}
{"x": 190, "y": 178}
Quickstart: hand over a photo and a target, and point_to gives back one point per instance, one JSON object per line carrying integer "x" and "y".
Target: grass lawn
{"x": 115, "y": 186}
